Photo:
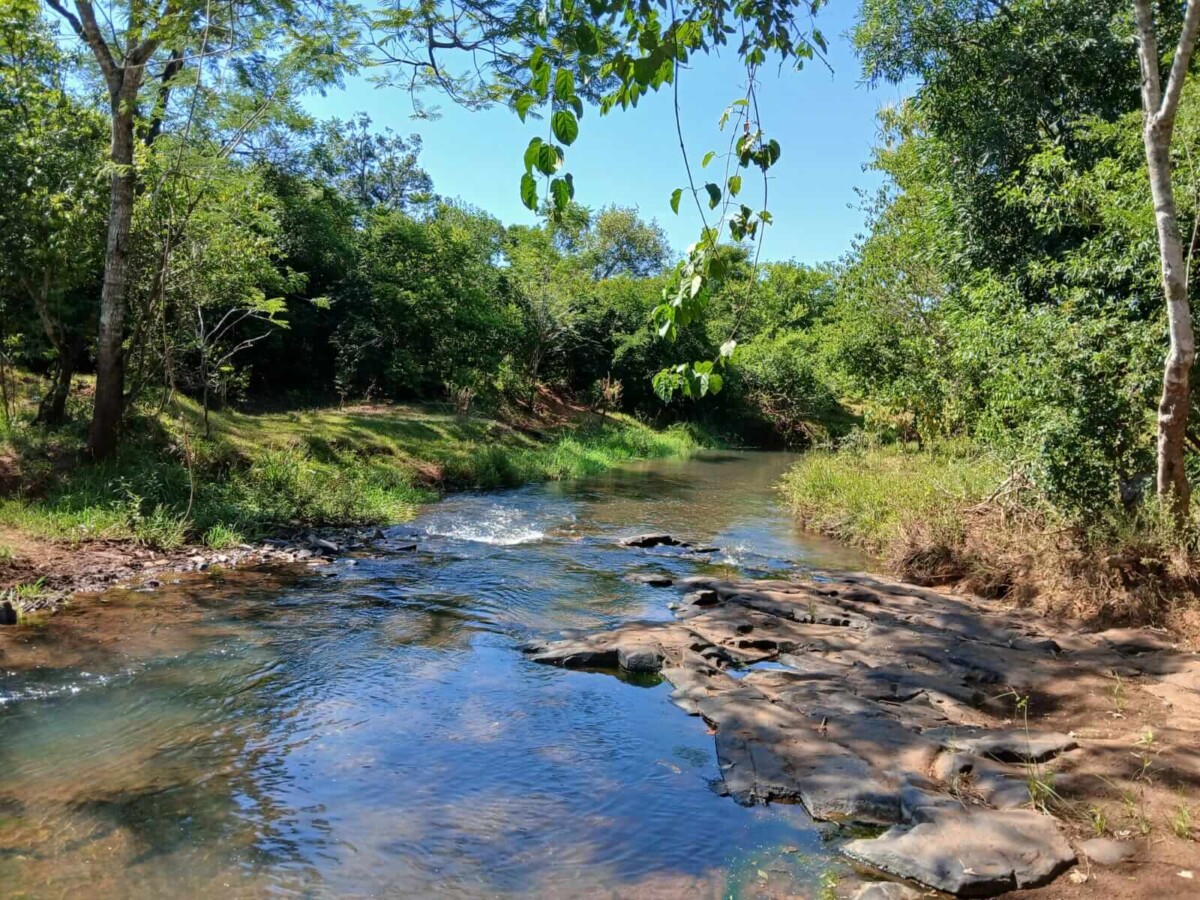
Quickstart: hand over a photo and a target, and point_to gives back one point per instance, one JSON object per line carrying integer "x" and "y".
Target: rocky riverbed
{"x": 992, "y": 750}
{"x": 53, "y": 572}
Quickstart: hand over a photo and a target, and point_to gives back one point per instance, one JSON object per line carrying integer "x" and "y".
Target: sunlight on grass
{"x": 254, "y": 473}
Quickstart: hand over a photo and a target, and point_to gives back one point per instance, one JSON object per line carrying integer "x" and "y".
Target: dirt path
{"x": 1000, "y": 751}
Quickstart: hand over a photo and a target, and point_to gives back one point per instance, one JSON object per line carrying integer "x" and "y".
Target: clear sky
{"x": 824, "y": 121}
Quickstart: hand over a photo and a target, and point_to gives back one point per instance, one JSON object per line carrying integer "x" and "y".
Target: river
{"x": 371, "y": 728}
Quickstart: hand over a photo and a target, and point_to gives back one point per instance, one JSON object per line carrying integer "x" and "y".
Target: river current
{"x": 370, "y": 728}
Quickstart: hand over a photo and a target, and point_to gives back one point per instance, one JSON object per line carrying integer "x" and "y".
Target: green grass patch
{"x": 874, "y": 497}
{"x": 255, "y": 473}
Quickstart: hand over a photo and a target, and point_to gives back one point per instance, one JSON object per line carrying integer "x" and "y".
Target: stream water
{"x": 371, "y": 728}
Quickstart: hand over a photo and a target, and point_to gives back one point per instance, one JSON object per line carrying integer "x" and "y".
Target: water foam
{"x": 498, "y": 525}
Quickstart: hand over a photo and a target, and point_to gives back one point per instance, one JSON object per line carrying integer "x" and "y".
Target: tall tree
{"x": 180, "y": 35}
{"x": 123, "y": 59}
{"x": 1160, "y": 107}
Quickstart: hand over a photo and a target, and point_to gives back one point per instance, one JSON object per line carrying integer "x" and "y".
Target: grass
{"x": 953, "y": 515}
{"x": 328, "y": 466}
{"x": 874, "y": 498}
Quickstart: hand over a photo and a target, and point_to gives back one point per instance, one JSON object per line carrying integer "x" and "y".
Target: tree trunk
{"x": 52, "y": 411}
{"x": 110, "y": 362}
{"x": 1175, "y": 404}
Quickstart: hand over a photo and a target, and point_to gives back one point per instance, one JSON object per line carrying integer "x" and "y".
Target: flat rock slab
{"x": 886, "y": 704}
{"x": 1014, "y": 745}
{"x": 971, "y": 852}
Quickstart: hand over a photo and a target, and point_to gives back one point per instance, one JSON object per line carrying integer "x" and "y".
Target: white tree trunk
{"x": 1160, "y": 107}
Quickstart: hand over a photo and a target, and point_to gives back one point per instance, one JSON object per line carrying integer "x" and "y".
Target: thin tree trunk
{"x": 123, "y": 75}
{"x": 1160, "y": 106}
{"x": 1175, "y": 404}
{"x": 52, "y": 409}
{"x": 110, "y": 361}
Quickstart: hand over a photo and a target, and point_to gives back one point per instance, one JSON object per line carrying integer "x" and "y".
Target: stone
{"x": 324, "y": 545}
{"x": 1133, "y": 641}
{"x": 647, "y": 541}
{"x": 703, "y": 597}
{"x": 972, "y": 852}
{"x": 1016, "y": 745}
{"x": 1107, "y": 852}
{"x": 650, "y": 580}
{"x": 8, "y": 615}
{"x": 886, "y": 890}
{"x": 639, "y": 658}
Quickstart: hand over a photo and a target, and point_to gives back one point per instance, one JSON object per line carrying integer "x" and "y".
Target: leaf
{"x": 540, "y": 82}
{"x": 676, "y": 195}
{"x": 523, "y": 104}
{"x": 529, "y": 192}
{"x": 532, "y": 153}
{"x": 549, "y": 159}
{"x": 714, "y": 195}
{"x": 727, "y": 348}
{"x": 565, "y": 126}
{"x": 560, "y": 190}
{"x": 586, "y": 39}
{"x": 564, "y": 85}
{"x": 715, "y": 383}
{"x": 708, "y": 157}
{"x": 735, "y": 185}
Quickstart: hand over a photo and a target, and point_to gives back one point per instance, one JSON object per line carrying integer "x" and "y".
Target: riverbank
{"x": 955, "y": 517}
{"x": 175, "y": 501}
{"x": 1001, "y": 751}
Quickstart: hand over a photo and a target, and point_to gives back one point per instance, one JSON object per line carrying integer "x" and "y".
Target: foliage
{"x": 325, "y": 466}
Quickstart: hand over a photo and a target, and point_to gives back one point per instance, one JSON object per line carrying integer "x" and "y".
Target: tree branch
{"x": 88, "y": 30}
{"x": 1179, "y": 65}
{"x": 1147, "y": 44}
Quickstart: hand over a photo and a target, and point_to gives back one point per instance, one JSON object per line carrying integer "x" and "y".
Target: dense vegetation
{"x": 994, "y": 341}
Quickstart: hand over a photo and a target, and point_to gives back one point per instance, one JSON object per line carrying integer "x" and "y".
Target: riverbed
{"x": 370, "y": 728}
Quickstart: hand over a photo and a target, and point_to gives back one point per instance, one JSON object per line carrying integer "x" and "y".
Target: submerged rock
{"x": 8, "y": 615}
{"x": 646, "y": 541}
{"x": 649, "y": 579}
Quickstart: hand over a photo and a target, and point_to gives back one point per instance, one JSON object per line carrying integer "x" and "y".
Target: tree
{"x": 50, "y": 199}
{"x": 123, "y": 62}
{"x": 1160, "y": 107}
{"x": 373, "y": 168}
{"x": 264, "y": 35}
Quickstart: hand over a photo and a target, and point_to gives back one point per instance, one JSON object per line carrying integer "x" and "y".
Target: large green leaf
{"x": 565, "y": 126}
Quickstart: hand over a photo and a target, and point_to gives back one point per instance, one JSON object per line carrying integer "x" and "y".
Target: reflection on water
{"x": 377, "y": 732}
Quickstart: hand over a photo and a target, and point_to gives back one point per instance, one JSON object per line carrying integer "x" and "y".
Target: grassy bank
{"x": 956, "y": 516}
{"x": 331, "y": 466}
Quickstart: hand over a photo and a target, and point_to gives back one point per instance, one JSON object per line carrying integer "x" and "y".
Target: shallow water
{"x": 371, "y": 729}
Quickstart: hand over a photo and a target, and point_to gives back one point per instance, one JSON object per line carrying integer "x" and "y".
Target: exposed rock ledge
{"x": 891, "y": 705}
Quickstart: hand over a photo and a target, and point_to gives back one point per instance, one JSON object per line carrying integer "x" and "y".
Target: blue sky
{"x": 824, "y": 121}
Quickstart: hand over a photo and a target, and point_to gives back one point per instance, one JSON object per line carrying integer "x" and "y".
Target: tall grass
{"x": 874, "y": 497}
{"x": 949, "y": 515}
